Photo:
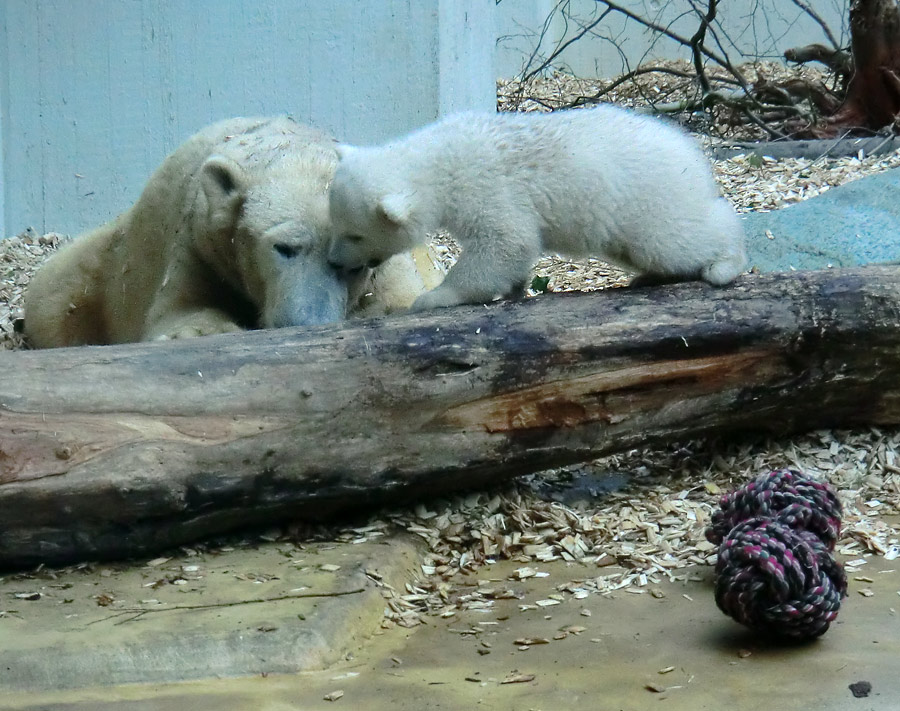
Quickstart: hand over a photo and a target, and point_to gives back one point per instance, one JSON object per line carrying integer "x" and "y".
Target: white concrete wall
{"x": 95, "y": 93}
{"x": 763, "y": 28}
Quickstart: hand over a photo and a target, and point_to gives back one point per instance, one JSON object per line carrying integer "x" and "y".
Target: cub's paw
{"x": 725, "y": 270}
{"x": 435, "y": 299}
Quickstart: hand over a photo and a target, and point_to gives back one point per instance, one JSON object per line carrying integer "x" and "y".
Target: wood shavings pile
{"x": 648, "y": 532}
{"x": 663, "y": 90}
{"x": 19, "y": 257}
{"x": 764, "y": 184}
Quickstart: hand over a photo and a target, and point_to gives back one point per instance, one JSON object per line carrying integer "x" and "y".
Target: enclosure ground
{"x": 624, "y": 650}
{"x": 245, "y": 610}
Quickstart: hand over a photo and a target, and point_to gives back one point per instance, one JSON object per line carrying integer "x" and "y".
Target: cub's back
{"x": 604, "y": 147}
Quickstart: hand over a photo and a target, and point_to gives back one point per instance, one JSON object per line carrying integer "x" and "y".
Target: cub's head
{"x": 265, "y": 232}
{"x": 371, "y": 211}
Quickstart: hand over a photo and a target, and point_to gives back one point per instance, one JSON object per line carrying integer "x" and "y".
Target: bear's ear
{"x": 223, "y": 181}
{"x": 344, "y": 150}
{"x": 394, "y": 209}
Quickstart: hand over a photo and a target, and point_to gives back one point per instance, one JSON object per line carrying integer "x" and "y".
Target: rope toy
{"x": 775, "y": 571}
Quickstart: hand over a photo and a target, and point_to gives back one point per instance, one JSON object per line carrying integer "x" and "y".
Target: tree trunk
{"x": 116, "y": 450}
{"x": 873, "y": 93}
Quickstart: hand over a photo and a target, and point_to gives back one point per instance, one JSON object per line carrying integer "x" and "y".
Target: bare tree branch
{"x": 721, "y": 60}
{"x": 837, "y": 60}
{"x": 540, "y": 40}
{"x": 561, "y": 47}
{"x": 625, "y": 78}
{"x": 779, "y": 108}
{"x": 697, "y": 43}
{"x": 714, "y": 98}
{"x": 815, "y": 16}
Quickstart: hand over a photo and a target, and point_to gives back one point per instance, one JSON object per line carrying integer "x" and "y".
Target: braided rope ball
{"x": 775, "y": 572}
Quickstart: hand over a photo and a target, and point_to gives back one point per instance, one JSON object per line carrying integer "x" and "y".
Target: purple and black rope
{"x": 776, "y": 572}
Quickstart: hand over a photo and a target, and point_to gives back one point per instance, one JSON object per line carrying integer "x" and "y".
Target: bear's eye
{"x": 356, "y": 239}
{"x": 288, "y": 251}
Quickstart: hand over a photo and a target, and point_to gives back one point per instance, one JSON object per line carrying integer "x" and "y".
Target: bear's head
{"x": 265, "y": 231}
{"x": 371, "y": 210}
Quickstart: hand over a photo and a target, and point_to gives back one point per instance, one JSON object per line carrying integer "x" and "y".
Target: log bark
{"x": 118, "y": 450}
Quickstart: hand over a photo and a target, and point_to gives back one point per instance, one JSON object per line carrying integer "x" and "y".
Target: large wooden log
{"x": 114, "y": 450}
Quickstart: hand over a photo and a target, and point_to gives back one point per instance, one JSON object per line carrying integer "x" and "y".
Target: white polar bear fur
{"x": 602, "y": 182}
{"x": 230, "y": 232}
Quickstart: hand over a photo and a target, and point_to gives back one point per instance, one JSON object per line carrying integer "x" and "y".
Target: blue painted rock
{"x": 851, "y": 225}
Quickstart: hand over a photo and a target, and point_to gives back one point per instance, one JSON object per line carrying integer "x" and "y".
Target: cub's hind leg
{"x": 731, "y": 260}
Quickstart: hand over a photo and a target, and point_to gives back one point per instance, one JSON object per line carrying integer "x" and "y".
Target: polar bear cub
{"x": 602, "y": 182}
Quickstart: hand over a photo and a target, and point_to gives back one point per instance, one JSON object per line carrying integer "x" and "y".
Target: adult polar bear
{"x": 230, "y": 232}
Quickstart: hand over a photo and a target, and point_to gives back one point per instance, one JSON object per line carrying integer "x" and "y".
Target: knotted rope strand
{"x": 775, "y": 571}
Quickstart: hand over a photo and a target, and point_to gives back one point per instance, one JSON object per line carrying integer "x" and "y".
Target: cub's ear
{"x": 224, "y": 183}
{"x": 344, "y": 150}
{"x": 394, "y": 209}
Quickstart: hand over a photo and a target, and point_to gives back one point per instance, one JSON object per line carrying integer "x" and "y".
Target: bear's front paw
{"x": 198, "y": 325}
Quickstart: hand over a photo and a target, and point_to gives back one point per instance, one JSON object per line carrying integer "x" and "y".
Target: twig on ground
{"x": 138, "y": 612}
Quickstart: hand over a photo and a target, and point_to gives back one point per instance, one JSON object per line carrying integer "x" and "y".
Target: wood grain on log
{"x": 116, "y": 450}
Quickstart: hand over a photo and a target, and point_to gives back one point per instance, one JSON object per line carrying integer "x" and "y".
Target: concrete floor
{"x": 616, "y": 662}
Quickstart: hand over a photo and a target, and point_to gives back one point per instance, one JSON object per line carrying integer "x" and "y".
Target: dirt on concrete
{"x": 255, "y": 609}
{"x": 668, "y": 648}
